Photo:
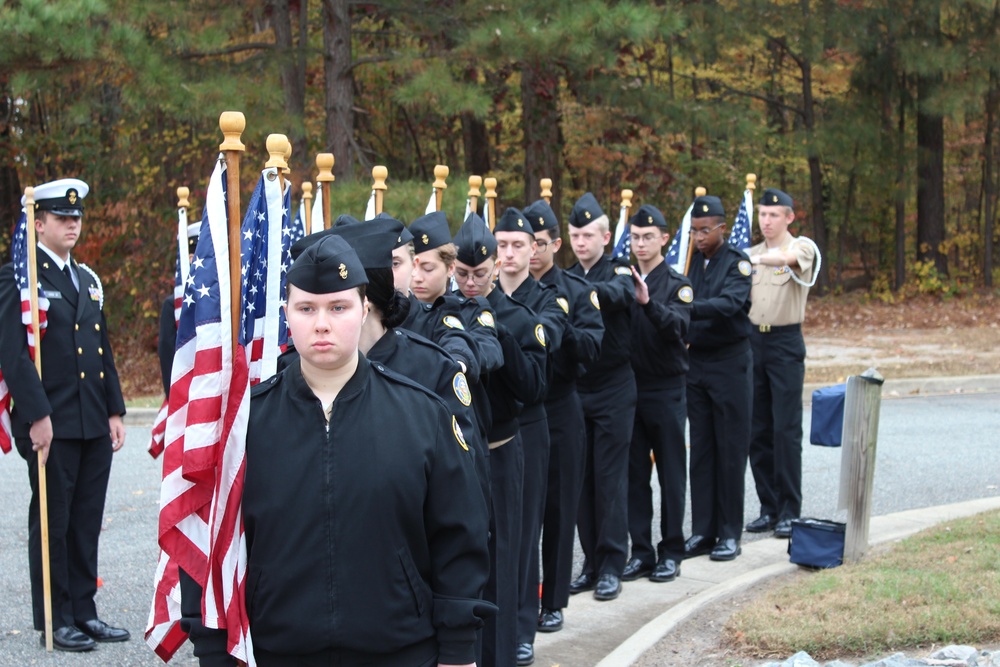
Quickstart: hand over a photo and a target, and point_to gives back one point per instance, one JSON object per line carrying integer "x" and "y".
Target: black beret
{"x": 585, "y": 211}
{"x": 542, "y": 217}
{"x": 708, "y": 206}
{"x": 345, "y": 220}
{"x": 403, "y": 235}
{"x": 775, "y": 197}
{"x": 648, "y": 216}
{"x": 373, "y": 241}
{"x": 474, "y": 241}
{"x": 331, "y": 265}
{"x": 513, "y": 220}
{"x": 430, "y": 231}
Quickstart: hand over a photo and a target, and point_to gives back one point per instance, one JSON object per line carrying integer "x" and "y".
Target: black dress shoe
{"x": 525, "y": 654}
{"x": 100, "y": 631}
{"x": 69, "y": 638}
{"x": 608, "y": 587}
{"x": 783, "y": 528}
{"x": 666, "y": 570}
{"x": 635, "y": 569}
{"x": 698, "y": 545}
{"x": 726, "y": 550}
{"x": 585, "y": 582}
{"x": 550, "y": 620}
{"x": 761, "y": 524}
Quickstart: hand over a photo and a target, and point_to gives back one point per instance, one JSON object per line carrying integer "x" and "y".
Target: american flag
{"x": 432, "y": 205}
{"x": 677, "y": 252}
{"x": 623, "y": 236}
{"x": 208, "y": 408}
{"x": 316, "y": 217}
{"x": 19, "y": 252}
{"x": 740, "y": 236}
{"x": 370, "y": 211}
{"x": 300, "y": 226}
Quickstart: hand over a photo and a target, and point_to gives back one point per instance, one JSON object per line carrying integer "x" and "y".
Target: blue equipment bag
{"x": 827, "y": 427}
{"x": 816, "y": 543}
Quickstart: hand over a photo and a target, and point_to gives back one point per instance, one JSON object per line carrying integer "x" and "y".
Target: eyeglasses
{"x": 705, "y": 232}
{"x": 542, "y": 246}
{"x": 478, "y": 279}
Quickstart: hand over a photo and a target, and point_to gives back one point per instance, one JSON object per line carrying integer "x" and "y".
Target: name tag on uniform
{"x": 54, "y": 294}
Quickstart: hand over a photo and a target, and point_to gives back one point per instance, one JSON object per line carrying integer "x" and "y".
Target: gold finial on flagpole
{"x": 276, "y": 144}
{"x": 182, "y": 197}
{"x": 325, "y": 162}
{"x": 379, "y": 175}
{"x": 232, "y": 124}
{"x": 440, "y": 183}
{"x": 546, "y": 184}
{"x": 491, "y": 200}
{"x": 751, "y": 182}
{"x": 627, "y": 199}
{"x": 474, "y": 183}
{"x": 700, "y": 191}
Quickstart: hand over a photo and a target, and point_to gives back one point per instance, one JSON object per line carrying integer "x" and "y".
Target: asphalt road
{"x": 931, "y": 450}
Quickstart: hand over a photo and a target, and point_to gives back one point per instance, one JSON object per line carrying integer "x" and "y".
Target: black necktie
{"x": 69, "y": 275}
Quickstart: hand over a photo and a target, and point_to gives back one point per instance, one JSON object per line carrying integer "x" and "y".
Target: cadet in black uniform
{"x": 581, "y": 345}
{"x": 515, "y": 247}
{"x": 607, "y": 392}
{"x": 719, "y": 385}
{"x": 72, "y": 415}
{"x": 660, "y": 318}
{"x": 519, "y": 382}
{"x": 366, "y": 531}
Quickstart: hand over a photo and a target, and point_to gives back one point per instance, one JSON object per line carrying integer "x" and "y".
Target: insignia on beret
{"x": 457, "y": 430}
{"x": 453, "y": 322}
{"x": 541, "y": 220}
{"x": 586, "y": 214}
{"x": 520, "y": 223}
{"x": 483, "y": 250}
{"x": 623, "y": 271}
{"x": 650, "y": 219}
{"x": 744, "y": 266}
{"x": 486, "y": 319}
{"x": 399, "y": 239}
{"x": 424, "y": 239}
{"x": 685, "y": 294}
{"x": 563, "y": 303}
{"x": 594, "y": 300}
{"x": 704, "y": 208}
{"x": 343, "y": 271}
{"x": 461, "y": 386}
{"x": 774, "y": 199}
{"x": 71, "y": 196}
{"x": 540, "y": 334}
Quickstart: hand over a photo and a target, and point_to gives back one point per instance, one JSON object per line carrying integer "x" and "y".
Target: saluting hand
{"x": 641, "y": 289}
{"x": 117, "y": 432}
{"x": 41, "y": 437}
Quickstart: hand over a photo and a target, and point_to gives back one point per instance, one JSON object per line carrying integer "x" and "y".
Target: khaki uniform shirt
{"x": 775, "y": 298}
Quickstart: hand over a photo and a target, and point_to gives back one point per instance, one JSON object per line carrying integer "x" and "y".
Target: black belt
{"x": 768, "y": 328}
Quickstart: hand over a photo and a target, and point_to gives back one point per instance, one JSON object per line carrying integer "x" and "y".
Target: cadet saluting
{"x": 73, "y": 416}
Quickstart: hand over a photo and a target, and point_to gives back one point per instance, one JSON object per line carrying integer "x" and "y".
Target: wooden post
{"x": 287, "y": 169}
{"x": 379, "y": 174}
{"x": 862, "y": 402}
{"x": 440, "y": 184}
{"x": 232, "y": 124}
{"x": 698, "y": 192}
{"x": 324, "y": 162}
{"x": 474, "y": 183}
{"x": 307, "y": 198}
{"x": 43, "y": 487}
{"x": 491, "y": 201}
{"x": 546, "y": 184}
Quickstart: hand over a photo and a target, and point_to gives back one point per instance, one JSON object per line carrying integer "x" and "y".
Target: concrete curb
{"x": 888, "y": 528}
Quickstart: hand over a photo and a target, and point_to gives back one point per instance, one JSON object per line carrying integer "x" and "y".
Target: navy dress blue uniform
{"x": 660, "y": 362}
{"x": 607, "y": 392}
{"x": 79, "y": 390}
{"x": 719, "y": 393}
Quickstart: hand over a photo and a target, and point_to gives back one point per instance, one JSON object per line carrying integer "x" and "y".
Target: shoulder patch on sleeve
{"x": 594, "y": 300}
{"x": 685, "y": 294}
{"x": 623, "y": 271}
{"x": 486, "y": 319}
{"x": 744, "y": 267}
{"x": 460, "y": 385}
{"x": 540, "y": 334}
{"x": 453, "y": 322}
{"x": 563, "y": 303}
{"x": 457, "y": 430}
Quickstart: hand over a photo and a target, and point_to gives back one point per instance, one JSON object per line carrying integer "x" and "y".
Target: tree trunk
{"x": 901, "y": 191}
{"x": 540, "y": 123}
{"x": 10, "y": 185}
{"x": 339, "y": 86}
{"x": 930, "y": 177}
{"x": 476, "y": 145}
{"x": 992, "y": 102}
{"x": 293, "y": 81}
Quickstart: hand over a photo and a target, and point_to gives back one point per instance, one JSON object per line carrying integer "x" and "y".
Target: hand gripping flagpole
{"x": 232, "y": 124}
{"x": 379, "y": 174}
{"x": 440, "y": 183}
{"x": 325, "y": 162}
{"x": 474, "y": 183}
{"x": 698, "y": 192}
{"x": 491, "y": 201}
{"x": 546, "y": 194}
{"x": 43, "y": 487}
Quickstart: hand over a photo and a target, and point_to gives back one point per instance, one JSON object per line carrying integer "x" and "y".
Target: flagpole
{"x": 546, "y": 184}
{"x": 491, "y": 200}
{"x": 307, "y": 198}
{"x": 325, "y": 162}
{"x": 379, "y": 174}
{"x": 276, "y": 145}
{"x": 751, "y": 186}
{"x": 698, "y": 192}
{"x": 440, "y": 183}
{"x": 232, "y": 124}
{"x": 474, "y": 192}
{"x": 43, "y": 487}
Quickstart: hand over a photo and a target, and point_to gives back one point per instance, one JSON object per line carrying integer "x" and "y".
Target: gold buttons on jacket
{"x": 79, "y": 350}
{"x": 76, "y": 327}
{"x": 100, "y": 350}
{"x": 97, "y": 327}
{"x": 102, "y": 375}
{"x": 83, "y": 375}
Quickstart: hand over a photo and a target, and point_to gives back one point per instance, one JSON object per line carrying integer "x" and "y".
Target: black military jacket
{"x": 659, "y": 328}
{"x": 581, "y": 342}
{"x": 612, "y": 278}
{"x": 719, "y": 316}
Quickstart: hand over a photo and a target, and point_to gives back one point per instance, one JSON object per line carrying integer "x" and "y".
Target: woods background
{"x": 880, "y": 117}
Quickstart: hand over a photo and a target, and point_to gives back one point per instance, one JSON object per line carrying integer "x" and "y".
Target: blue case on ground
{"x": 817, "y": 543}
{"x": 827, "y": 427}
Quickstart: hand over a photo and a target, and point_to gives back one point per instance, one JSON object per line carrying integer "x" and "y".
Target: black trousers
{"x": 535, "y": 436}
{"x": 209, "y": 644}
{"x": 603, "y": 517}
{"x": 500, "y": 630}
{"x": 423, "y": 654}
{"x": 660, "y": 414}
{"x": 568, "y": 438}
{"x": 719, "y": 402}
{"x": 77, "y": 484}
{"x": 776, "y": 442}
